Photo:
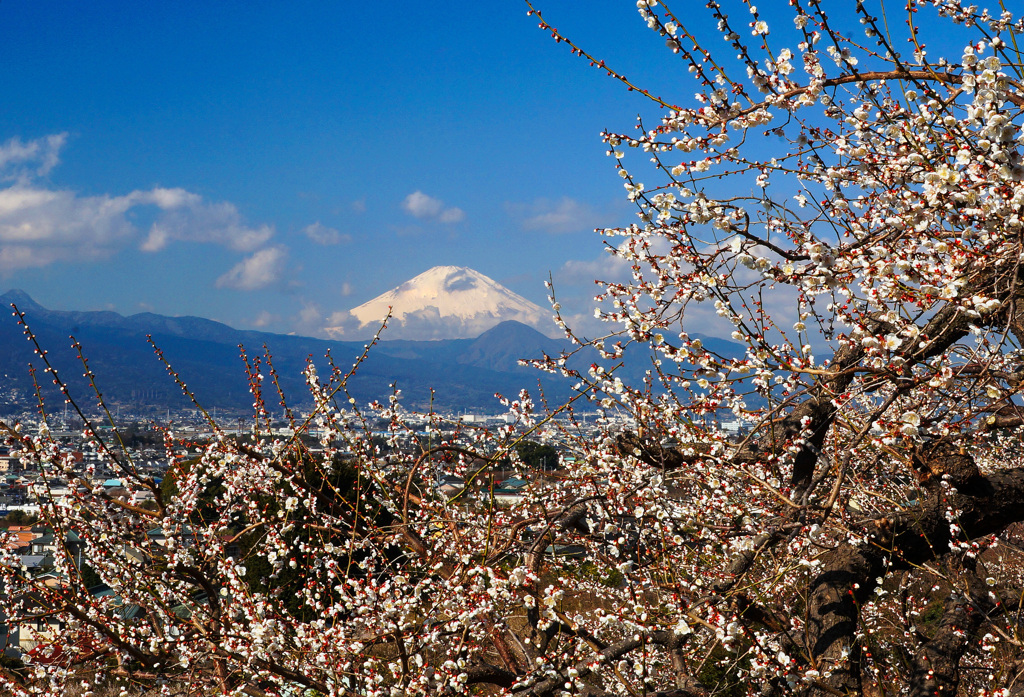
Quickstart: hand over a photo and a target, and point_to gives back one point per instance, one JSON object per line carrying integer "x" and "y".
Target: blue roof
{"x": 514, "y": 483}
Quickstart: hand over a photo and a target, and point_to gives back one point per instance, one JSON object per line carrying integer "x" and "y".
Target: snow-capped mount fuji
{"x": 445, "y": 302}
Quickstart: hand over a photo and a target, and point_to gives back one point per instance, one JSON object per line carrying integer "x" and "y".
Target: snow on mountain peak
{"x": 444, "y": 302}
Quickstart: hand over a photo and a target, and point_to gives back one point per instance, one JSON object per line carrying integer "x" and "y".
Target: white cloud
{"x": 311, "y": 317}
{"x": 557, "y": 217}
{"x": 37, "y": 157}
{"x": 40, "y": 225}
{"x": 309, "y": 321}
{"x": 259, "y": 270}
{"x": 342, "y": 324}
{"x": 186, "y": 217}
{"x": 265, "y": 319}
{"x": 156, "y": 240}
{"x": 169, "y": 199}
{"x": 321, "y": 234}
{"x": 608, "y": 268}
{"x": 419, "y": 205}
{"x": 452, "y": 215}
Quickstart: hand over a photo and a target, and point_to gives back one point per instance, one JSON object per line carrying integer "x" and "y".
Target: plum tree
{"x": 851, "y": 212}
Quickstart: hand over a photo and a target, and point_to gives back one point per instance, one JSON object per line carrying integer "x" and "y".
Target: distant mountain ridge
{"x": 464, "y": 373}
{"x": 453, "y": 374}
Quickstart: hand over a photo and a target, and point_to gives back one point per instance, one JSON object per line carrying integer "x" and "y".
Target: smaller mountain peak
{"x": 23, "y": 300}
{"x": 509, "y": 328}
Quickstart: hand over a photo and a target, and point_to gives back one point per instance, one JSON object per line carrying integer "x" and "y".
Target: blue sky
{"x": 267, "y": 164}
{"x": 270, "y": 164}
